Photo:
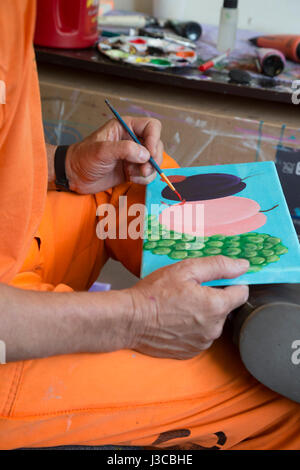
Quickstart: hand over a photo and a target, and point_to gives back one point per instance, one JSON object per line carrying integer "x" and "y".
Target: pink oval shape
{"x": 244, "y": 226}
{"x": 230, "y": 215}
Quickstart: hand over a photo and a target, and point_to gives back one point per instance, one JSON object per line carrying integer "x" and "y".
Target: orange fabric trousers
{"x": 126, "y": 398}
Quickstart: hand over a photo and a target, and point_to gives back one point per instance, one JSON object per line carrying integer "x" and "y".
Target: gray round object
{"x": 269, "y": 343}
{"x": 241, "y": 77}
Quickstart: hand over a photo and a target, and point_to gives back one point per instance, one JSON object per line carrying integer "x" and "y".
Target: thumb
{"x": 216, "y": 267}
{"x": 123, "y": 150}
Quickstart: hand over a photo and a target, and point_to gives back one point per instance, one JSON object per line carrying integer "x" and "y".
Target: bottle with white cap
{"x": 228, "y": 26}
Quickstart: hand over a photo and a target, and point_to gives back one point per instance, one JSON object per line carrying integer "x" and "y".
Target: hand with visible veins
{"x": 109, "y": 157}
{"x": 175, "y": 316}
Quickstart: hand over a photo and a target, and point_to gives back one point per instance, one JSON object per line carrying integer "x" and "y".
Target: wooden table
{"x": 92, "y": 60}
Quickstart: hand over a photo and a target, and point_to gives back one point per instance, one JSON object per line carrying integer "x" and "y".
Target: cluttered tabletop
{"x": 187, "y": 58}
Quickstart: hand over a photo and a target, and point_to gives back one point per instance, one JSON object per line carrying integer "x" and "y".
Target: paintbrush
{"x": 134, "y": 137}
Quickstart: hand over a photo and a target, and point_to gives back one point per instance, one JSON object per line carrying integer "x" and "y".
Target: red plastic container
{"x": 68, "y": 24}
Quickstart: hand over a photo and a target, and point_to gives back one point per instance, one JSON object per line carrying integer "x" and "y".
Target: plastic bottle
{"x": 66, "y": 23}
{"x": 228, "y": 25}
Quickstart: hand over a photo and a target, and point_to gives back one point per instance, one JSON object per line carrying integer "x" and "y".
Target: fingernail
{"x": 129, "y": 170}
{"x": 144, "y": 154}
{"x": 243, "y": 263}
{"x": 148, "y": 170}
{"x": 246, "y": 289}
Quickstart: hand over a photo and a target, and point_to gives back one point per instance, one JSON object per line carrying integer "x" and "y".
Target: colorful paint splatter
{"x": 146, "y": 51}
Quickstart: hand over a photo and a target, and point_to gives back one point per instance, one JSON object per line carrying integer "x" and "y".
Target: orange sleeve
{"x": 23, "y": 163}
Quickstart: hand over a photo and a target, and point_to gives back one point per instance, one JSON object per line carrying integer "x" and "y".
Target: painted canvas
{"x": 235, "y": 210}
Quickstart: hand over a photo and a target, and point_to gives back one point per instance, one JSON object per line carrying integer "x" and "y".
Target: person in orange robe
{"x": 146, "y": 366}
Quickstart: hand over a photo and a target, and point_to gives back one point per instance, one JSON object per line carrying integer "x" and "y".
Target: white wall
{"x": 145, "y": 6}
{"x": 270, "y": 16}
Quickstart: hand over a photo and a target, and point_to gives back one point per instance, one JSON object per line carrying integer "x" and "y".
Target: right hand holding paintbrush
{"x": 109, "y": 157}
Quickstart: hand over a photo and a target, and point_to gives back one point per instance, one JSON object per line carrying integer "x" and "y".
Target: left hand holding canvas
{"x": 109, "y": 157}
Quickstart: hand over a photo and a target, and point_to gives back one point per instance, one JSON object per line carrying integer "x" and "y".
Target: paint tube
{"x": 289, "y": 45}
{"x": 189, "y": 29}
{"x": 126, "y": 21}
{"x": 271, "y": 61}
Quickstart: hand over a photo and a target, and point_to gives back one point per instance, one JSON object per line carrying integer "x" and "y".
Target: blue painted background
{"x": 264, "y": 187}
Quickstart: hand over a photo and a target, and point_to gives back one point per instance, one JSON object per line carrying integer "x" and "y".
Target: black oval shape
{"x": 205, "y": 187}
